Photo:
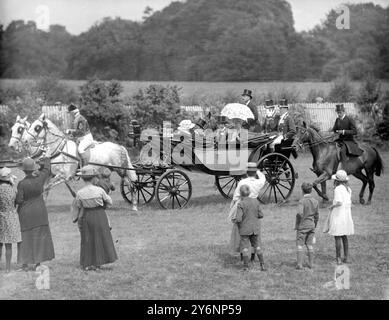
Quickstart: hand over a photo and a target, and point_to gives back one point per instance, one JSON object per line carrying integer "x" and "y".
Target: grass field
{"x": 190, "y": 89}
{"x": 185, "y": 254}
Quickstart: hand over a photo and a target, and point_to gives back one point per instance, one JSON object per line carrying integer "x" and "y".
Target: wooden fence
{"x": 59, "y": 115}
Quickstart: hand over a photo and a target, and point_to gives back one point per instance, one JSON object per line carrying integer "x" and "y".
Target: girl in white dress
{"x": 340, "y": 224}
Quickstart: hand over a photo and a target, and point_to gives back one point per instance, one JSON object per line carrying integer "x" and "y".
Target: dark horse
{"x": 327, "y": 156}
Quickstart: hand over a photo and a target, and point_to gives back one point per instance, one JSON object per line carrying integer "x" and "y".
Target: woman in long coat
{"x": 97, "y": 247}
{"x": 9, "y": 222}
{"x": 37, "y": 244}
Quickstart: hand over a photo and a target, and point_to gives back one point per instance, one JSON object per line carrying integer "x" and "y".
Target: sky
{"x": 79, "y": 15}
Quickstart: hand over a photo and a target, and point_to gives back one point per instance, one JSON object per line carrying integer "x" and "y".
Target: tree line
{"x": 198, "y": 40}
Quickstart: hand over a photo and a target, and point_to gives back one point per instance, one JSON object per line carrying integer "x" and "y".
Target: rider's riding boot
{"x": 84, "y": 160}
{"x": 252, "y": 257}
{"x": 294, "y": 153}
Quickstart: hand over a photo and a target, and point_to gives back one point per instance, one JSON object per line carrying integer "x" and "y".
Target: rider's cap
{"x": 252, "y": 166}
{"x": 29, "y": 165}
{"x": 87, "y": 171}
{"x": 248, "y": 93}
{"x": 269, "y": 104}
{"x": 72, "y": 107}
{"x": 340, "y": 175}
{"x": 284, "y": 103}
{"x": 339, "y": 107}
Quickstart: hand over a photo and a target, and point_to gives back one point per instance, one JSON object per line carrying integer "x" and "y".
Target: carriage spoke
{"x": 275, "y": 194}
{"x": 268, "y": 185}
{"x": 178, "y": 201}
{"x": 287, "y": 188}
{"x": 233, "y": 185}
{"x": 280, "y": 192}
{"x": 232, "y": 180}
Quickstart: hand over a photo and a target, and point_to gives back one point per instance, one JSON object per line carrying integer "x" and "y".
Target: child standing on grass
{"x": 306, "y": 222}
{"x": 248, "y": 220}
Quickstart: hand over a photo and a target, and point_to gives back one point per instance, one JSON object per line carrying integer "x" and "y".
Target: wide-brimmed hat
{"x": 283, "y": 103}
{"x": 29, "y": 165}
{"x": 269, "y": 104}
{"x": 186, "y": 125}
{"x": 340, "y": 175}
{"x": 6, "y": 174}
{"x": 87, "y": 171}
{"x": 201, "y": 123}
{"x": 339, "y": 107}
{"x": 72, "y": 107}
{"x": 248, "y": 93}
{"x": 252, "y": 166}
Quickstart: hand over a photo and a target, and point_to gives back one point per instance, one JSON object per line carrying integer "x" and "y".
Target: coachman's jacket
{"x": 80, "y": 126}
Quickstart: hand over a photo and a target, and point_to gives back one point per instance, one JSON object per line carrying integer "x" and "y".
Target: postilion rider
{"x": 80, "y": 130}
{"x": 345, "y": 127}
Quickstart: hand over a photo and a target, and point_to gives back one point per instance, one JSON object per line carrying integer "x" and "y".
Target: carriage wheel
{"x": 174, "y": 190}
{"x": 227, "y": 185}
{"x": 143, "y": 189}
{"x": 280, "y": 178}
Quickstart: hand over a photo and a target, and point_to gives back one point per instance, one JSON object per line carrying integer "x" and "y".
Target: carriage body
{"x": 164, "y": 161}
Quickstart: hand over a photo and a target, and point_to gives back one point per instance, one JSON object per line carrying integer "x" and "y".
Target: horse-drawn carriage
{"x": 164, "y": 160}
{"x": 163, "y": 174}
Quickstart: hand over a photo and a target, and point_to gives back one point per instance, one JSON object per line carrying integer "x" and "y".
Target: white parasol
{"x": 237, "y": 111}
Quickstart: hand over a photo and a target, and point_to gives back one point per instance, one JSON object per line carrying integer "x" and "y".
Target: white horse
{"x": 63, "y": 151}
{"x": 17, "y": 131}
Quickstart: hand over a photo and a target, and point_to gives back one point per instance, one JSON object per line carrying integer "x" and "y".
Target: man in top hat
{"x": 272, "y": 117}
{"x": 251, "y": 124}
{"x": 80, "y": 130}
{"x": 345, "y": 127}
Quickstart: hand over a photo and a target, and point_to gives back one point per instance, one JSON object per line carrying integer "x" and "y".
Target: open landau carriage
{"x": 164, "y": 160}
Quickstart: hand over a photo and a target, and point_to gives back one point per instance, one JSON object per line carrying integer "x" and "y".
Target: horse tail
{"x": 130, "y": 173}
{"x": 379, "y": 165}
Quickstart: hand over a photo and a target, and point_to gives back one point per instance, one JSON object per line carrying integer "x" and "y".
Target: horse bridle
{"x": 43, "y": 144}
{"x": 311, "y": 144}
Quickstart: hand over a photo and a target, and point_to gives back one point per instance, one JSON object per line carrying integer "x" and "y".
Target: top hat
{"x": 340, "y": 175}
{"x": 248, "y": 93}
{"x": 222, "y": 119}
{"x": 339, "y": 107}
{"x": 201, "y": 123}
{"x": 6, "y": 174}
{"x": 72, "y": 107}
{"x": 283, "y": 103}
{"x": 252, "y": 166}
{"x": 269, "y": 104}
{"x": 87, "y": 171}
{"x": 29, "y": 165}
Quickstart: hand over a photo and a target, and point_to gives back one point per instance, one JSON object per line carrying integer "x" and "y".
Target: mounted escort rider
{"x": 345, "y": 127}
{"x": 251, "y": 124}
{"x": 80, "y": 130}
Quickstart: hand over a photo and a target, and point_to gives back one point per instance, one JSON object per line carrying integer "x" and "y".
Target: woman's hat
{"x": 340, "y": 175}
{"x": 284, "y": 103}
{"x": 186, "y": 125}
{"x": 339, "y": 107}
{"x": 269, "y": 104}
{"x": 87, "y": 171}
{"x": 252, "y": 166}
{"x": 248, "y": 93}
{"x": 29, "y": 165}
{"x": 72, "y": 107}
{"x": 6, "y": 174}
{"x": 201, "y": 123}
{"x": 106, "y": 173}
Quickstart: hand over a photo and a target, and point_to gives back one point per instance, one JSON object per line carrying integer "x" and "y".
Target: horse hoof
{"x": 362, "y": 201}
{"x": 368, "y": 203}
